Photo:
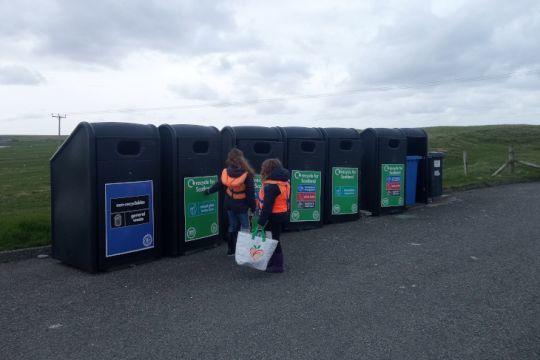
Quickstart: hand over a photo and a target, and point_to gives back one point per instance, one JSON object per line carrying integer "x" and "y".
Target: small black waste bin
{"x": 342, "y": 174}
{"x": 105, "y": 196}
{"x": 191, "y": 163}
{"x": 435, "y": 173}
{"x": 305, "y": 157}
{"x": 417, "y": 144}
{"x": 383, "y": 170}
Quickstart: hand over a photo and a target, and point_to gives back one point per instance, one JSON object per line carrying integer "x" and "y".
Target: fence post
{"x": 465, "y": 165}
{"x": 511, "y": 158}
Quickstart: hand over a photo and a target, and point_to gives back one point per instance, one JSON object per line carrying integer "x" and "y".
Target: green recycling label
{"x": 305, "y": 196}
{"x": 344, "y": 191}
{"x": 392, "y": 184}
{"x": 200, "y": 210}
{"x": 257, "y": 181}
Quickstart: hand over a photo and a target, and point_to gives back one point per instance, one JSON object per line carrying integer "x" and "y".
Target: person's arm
{"x": 271, "y": 191}
{"x": 214, "y": 188}
{"x": 250, "y": 192}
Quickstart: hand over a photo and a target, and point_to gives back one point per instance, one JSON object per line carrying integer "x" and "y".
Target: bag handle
{"x": 258, "y": 230}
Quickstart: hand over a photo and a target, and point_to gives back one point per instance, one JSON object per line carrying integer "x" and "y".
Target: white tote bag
{"x": 254, "y": 250}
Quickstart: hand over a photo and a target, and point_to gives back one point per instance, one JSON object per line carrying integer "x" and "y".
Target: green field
{"x": 25, "y": 188}
{"x": 487, "y": 150}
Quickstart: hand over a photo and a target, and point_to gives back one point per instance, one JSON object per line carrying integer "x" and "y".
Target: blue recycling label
{"x": 129, "y": 217}
{"x": 307, "y": 188}
{"x": 345, "y": 191}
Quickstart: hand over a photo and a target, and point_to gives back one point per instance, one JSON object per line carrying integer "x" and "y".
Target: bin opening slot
{"x": 201, "y": 147}
{"x": 128, "y": 148}
{"x": 393, "y": 143}
{"x": 307, "y": 146}
{"x": 262, "y": 147}
{"x": 345, "y": 145}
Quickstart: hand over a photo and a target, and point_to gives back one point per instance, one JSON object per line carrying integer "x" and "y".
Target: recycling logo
{"x": 354, "y": 208}
{"x": 316, "y": 215}
{"x": 214, "y": 228}
{"x": 191, "y": 233}
{"x": 336, "y": 209}
{"x": 147, "y": 240}
{"x": 295, "y": 215}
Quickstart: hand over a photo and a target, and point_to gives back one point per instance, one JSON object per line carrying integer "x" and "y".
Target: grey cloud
{"x": 194, "y": 91}
{"x": 276, "y": 108}
{"x": 106, "y": 31}
{"x": 264, "y": 72}
{"x": 482, "y": 38}
{"x": 269, "y": 67}
{"x": 19, "y": 75}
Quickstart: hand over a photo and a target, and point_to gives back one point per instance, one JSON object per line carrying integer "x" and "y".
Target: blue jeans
{"x": 237, "y": 220}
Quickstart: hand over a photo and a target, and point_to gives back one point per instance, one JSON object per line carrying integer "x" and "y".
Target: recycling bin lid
{"x": 384, "y": 132}
{"x": 436, "y": 154}
{"x": 414, "y": 132}
{"x": 123, "y": 130}
{"x": 414, "y": 157}
{"x": 192, "y": 131}
{"x": 253, "y": 132}
{"x": 297, "y": 132}
{"x": 340, "y": 133}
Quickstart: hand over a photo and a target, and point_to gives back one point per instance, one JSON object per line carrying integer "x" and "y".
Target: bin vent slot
{"x": 129, "y": 148}
{"x": 262, "y": 147}
{"x": 393, "y": 143}
{"x": 201, "y": 147}
{"x": 345, "y": 145}
{"x": 307, "y": 146}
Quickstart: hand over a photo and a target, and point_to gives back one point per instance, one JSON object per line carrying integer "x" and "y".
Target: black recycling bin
{"x": 383, "y": 171}
{"x": 258, "y": 143}
{"x": 191, "y": 163}
{"x": 105, "y": 196}
{"x": 305, "y": 157}
{"x": 435, "y": 160}
{"x": 417, "y": 145}
{"x": 342, "y": 174}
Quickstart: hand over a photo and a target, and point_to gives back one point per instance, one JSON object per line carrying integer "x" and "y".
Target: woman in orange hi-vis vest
{"x": 274, "y": 206}
{"x": 236, "y": 181}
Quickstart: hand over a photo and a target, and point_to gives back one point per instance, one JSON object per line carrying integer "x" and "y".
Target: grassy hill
{"x": 25, "y": 188}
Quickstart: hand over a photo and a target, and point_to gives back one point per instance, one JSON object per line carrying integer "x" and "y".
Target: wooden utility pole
{"x": 59, "y": 117}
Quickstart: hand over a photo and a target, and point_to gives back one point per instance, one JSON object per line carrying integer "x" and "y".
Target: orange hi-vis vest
{"x": 236, "y": 187}
{"x": 281, "y": 204}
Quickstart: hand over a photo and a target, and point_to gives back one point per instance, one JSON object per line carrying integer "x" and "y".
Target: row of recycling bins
{"x": 124, "y": 193}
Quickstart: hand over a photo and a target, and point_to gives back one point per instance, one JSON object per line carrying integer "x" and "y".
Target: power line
{"x": 423, "y": 84}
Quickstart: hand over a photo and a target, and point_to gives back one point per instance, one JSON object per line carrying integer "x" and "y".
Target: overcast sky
{"x": 369, "y": 63}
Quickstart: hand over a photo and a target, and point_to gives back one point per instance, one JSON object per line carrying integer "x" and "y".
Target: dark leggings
{"x": 275, "y": 228}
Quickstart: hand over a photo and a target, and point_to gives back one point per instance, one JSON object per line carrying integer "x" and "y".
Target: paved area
{"x": 456, "y": 280}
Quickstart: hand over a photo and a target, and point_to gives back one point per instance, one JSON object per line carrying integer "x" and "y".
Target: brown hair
{"x": 268, "y": 166}
{"x": 235, "y": 157}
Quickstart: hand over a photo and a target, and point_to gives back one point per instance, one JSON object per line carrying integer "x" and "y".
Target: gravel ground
{"x": 457, "y": 279}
